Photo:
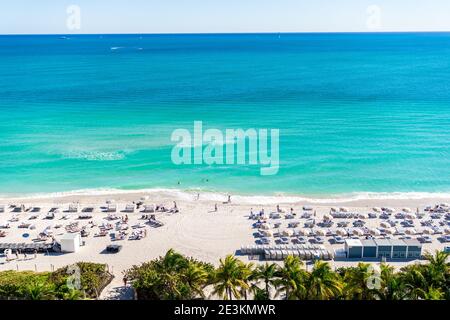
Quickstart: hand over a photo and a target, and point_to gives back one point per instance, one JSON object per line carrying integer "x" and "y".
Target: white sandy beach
{"x": 195, "y": 231}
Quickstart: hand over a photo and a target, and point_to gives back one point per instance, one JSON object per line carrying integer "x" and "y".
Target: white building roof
{"x": 353, "y": 243}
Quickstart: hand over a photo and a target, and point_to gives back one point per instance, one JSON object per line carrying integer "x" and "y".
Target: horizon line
{"x": 225, "y": 33}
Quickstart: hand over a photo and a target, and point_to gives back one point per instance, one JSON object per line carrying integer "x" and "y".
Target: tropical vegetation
{"x": 174, "y": 276}
{"x": 62, "y": 284}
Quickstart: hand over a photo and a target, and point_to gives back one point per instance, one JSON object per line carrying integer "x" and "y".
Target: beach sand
{"x": 195, "y": 231}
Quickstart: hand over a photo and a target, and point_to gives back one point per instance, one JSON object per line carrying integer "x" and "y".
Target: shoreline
{"x": 354, "y": 199}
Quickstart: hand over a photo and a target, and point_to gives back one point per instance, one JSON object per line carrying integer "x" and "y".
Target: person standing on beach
{"x": 215, "y": 207}
{"x": 229, "y": 199}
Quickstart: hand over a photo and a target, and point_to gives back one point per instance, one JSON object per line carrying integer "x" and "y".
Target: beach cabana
{"x": 341, "y": 232}
{"x": 358, "y": 232}
{"x": 343, "y": 209}
{"x": 428, "y": 231}
{"x": 327, "y": 217}
{"x": 70, "y": 242}
{"x": 376, "y": 209}
{"x": 129, "y": 208}
{"x": 73, "y": 208}
{"x": 375, "y": 232}
{"x": 410, "y": 216}
{"x": 411, "y": 231}
{"x": 407, "y": 210}
{"x": 266, "y": 233}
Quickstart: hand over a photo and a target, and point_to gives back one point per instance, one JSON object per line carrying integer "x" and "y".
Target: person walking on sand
{"x": 198, "y": 196}
{"x": 175, "y": 205}
{"x": 229, "y": 199}
{"x": 125, "y": 280}
{"x": 215, "y": 207}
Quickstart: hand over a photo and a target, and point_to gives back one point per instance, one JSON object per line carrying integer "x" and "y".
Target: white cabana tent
{"x": 407, "y": 210}
{"x": 327, "y": 217}
{"x": 358, "y": 232}
{"x": 266, "y": 233}
{"x": 341, "y": 232}
{"x": 427, "y": 231}
{"x": 410, "y": 231}
{"x": 343, "y": 209}
{"x": 376, "y": 209}
{"x": 375, "y": 232}
{"x": 70, "y": 242}
{"x": 288, "y": 232}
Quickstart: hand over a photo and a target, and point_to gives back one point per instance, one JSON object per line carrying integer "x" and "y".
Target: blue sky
{"x": 192, "y": 16}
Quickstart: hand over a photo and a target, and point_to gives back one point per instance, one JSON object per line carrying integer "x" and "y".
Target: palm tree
{"x": 323, "y": 283}
{"x": 437, "y": 270}
{"x": 392, "y": 287}
{"x": 267, "y": 273}
{"x": 291, "y": 279}
{"x": 196, "y": 278}
{"x": 414, "y": 282}
{"x": 356, "y": 281}
{"x": 39, "y": 290}
{"x": 230, "y": 278}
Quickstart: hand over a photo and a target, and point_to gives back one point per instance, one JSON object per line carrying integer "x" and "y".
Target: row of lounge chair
{"x": 321, "y": 254}
{"x": 27, "y": 247}
{"x": 280, "y": 252}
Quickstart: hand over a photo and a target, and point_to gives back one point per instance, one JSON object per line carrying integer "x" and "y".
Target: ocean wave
{"x": 190, "y": 195}
{"x": 95, "y": 155}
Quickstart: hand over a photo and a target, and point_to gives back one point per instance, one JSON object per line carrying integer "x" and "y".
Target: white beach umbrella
{"x": 411, "y": 231}
{"x": 343, "y": 209}
{"x": 428, "y": 231}
{"x": 303, "y": 232}
{"x": 376, "y": 209}
{"x": 407, "y": 210}
{"x": 358, "y": 232}
{"x": 410, "y": 216}
{"x": 389, "y": 230}
{"x": 363, "y": 216}
{"x": 385, "y": 225}
{"x": 327, "y": 217}
{"x": 333, "y": 209}
{"x": 265, "y": 226}
{"x": 447, "y": 230}
{"x": 375, "y": 232}
{"x": 390, "y": 210}
{"x": 266, "y": 233}
{"x": 288, "y": 232}
{"x": 320, "y": 232}
{"x": 341, "y": 232}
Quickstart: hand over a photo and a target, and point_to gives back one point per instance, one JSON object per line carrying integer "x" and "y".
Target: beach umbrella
{"x": 341, "y": 232}
{"x": 327, "y": 217}
{"x": 376, "y": 209}
{"x": 303, "y": 232}
{"x": 343, "y": 209}
{"x": 390, "y": 210}
{"x": 410, "y": 231}
{"x": 333, "y": 209}
{"x": 375, "y": 232}
{"x": 428, "y": 231}
{"x": 288, "y": 232}
{"x": 410, "y": 216}
{"x": 265, "y": 226}
{"x": 320, "y": 232}
{"x": 266, "y": 233}
{"x": 407, "y": 210}
{"x": 389, "y": 230}
{"x": 363, "y": 216}
{"x": 385, "y": 224}
{"x": 447, "y": 230}
{"x": 358, "y": 232}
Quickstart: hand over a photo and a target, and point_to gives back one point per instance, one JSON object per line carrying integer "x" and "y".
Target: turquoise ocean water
{"x": 356, "y": 112}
